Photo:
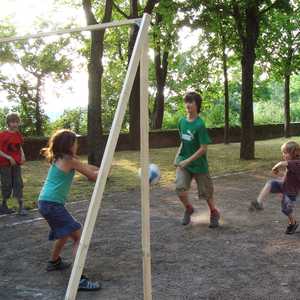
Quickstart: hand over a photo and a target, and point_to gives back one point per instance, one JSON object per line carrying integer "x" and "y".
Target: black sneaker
{"x": 187, "y": 217}
{"x": 87, "y": 285}
{"x": 57, "y": 265}
{"x": 214, "y": 219}
{"x": 255, "y": 206}
{"x": 5, "y": 210}
{"x": 291, "y": 228}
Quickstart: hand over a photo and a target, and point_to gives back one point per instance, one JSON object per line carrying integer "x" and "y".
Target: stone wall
{"x": 165, "y": 138}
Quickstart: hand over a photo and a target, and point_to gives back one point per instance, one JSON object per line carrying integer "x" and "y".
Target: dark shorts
{"x": 62, "y": 224}
{"x": 276, "y": 186}
{"x": 287, "y": 201}
{"x": 11, "y": 182}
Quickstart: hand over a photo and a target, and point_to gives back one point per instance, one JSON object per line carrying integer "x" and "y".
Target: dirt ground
{"x": 248, "y": 257}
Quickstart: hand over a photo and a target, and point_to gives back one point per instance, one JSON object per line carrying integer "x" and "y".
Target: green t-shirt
{"x": 193, "y": 135}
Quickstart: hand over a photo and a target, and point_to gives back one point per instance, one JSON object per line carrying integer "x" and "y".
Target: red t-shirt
{"x": 291, "y": 183}
{"x": 10, "y": 144}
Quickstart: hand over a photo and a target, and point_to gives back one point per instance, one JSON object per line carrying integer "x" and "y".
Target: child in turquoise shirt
{"x": 61, "y": 154}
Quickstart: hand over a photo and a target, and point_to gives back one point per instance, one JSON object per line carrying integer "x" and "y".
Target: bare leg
{"x": 58, "y": 246}
{"x": 183, "y": 196}
{"x": 22, "y": 210}
{"x": 75, "y": 236}
{"x": 291, "y": 219}
{"x": 264, "y": 193}
{"x": 214, "y": 213}
{"x": 211, "y": 204}
{"x": 183, "y": 181}
{"x": 84, "y": 283}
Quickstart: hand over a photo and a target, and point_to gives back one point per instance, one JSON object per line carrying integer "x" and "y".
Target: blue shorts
{"x": 62, "y": 224}
{"x": 276, "y": 187}
{"x": 288, "y": 201}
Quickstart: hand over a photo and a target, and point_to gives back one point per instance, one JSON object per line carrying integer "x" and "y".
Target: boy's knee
{"x": 274, "y": 186}
{"x": 269, "y": 183}
{"x": 287, "y": 206}
{"x": 183, "y": 181}
{"x": 286, "y": 210}
{"x": 76, "y": 236}
{"x": 181, "y": 191}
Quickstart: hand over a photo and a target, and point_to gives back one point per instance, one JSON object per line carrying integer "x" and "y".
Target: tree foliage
{"x": 30, "y": 64}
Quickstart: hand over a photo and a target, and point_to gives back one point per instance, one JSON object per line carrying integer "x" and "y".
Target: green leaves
{"x": 29, "y": 65}
{"x": 280, "y": 42}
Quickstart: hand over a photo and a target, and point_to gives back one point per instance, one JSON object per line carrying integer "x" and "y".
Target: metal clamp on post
{"x": 138, "y": 22}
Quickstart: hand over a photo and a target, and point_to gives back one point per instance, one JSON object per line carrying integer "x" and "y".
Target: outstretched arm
{"x": 23, "y": 158}
{"x": 91, "y": 172}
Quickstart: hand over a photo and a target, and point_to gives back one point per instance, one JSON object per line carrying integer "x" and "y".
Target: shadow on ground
{"x": 249, "y": 257}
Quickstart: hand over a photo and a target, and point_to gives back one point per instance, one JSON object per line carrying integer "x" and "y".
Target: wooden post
{"x": 106, "y": 162}
{"x": 144, "y": 158}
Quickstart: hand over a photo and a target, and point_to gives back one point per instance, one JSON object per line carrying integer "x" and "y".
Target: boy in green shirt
{"x": 191, "y": 160}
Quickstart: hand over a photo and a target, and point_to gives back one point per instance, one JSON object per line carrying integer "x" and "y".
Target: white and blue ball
{"x": 154, "y": 174}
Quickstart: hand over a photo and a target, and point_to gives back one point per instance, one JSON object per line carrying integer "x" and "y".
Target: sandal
{"x": 57, "y": 265}
{"x": 86, "y": 285}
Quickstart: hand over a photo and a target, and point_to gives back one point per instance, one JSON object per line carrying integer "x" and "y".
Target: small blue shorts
{"x": 60, "y": 221}
{"x": 287, "y": 201}
{"x": 276, "y": 187}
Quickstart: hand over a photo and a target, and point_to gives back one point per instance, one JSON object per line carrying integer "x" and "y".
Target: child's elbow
{"x": 93, "y": 176}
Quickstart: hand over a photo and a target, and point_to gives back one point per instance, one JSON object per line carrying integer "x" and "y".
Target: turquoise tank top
{"x": 57, "y": 185}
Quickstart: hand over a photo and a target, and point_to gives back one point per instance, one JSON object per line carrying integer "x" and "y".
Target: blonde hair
{"x": 292, "y": 148}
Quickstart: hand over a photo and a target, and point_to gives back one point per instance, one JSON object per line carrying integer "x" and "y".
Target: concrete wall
{"x": 166, "y": 138}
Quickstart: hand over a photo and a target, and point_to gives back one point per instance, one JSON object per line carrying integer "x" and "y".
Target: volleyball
{"x": 154, "y": 174}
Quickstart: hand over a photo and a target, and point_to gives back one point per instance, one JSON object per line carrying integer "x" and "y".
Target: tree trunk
{"x": 38, "y": 119}
{"x": 158, "y": 112}
{"x": 134, "y": 100}
{"x": 287, "y": 77}
{"x": 247, "y": 150}
{"x": 161, "y": 69}
{"x": 38, "y": 112}
{"x": 95, "y": 71}
{"x": 77, "y": 122}
{"x": 226, "y": 94}
{"x": 247, "y": 118}
{"x": 287, "y": 119}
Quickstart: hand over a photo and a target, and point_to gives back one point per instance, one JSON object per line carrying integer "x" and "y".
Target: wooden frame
{"x": 71, "y": 30}
{"x": 139, "y": 54}
{"x": 144, "y": 159}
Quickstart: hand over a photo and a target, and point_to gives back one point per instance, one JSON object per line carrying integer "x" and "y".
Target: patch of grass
{"x": 124, "y": 174}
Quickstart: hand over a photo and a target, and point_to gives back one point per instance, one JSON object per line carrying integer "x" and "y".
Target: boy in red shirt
{"x": 11, "y": 159}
